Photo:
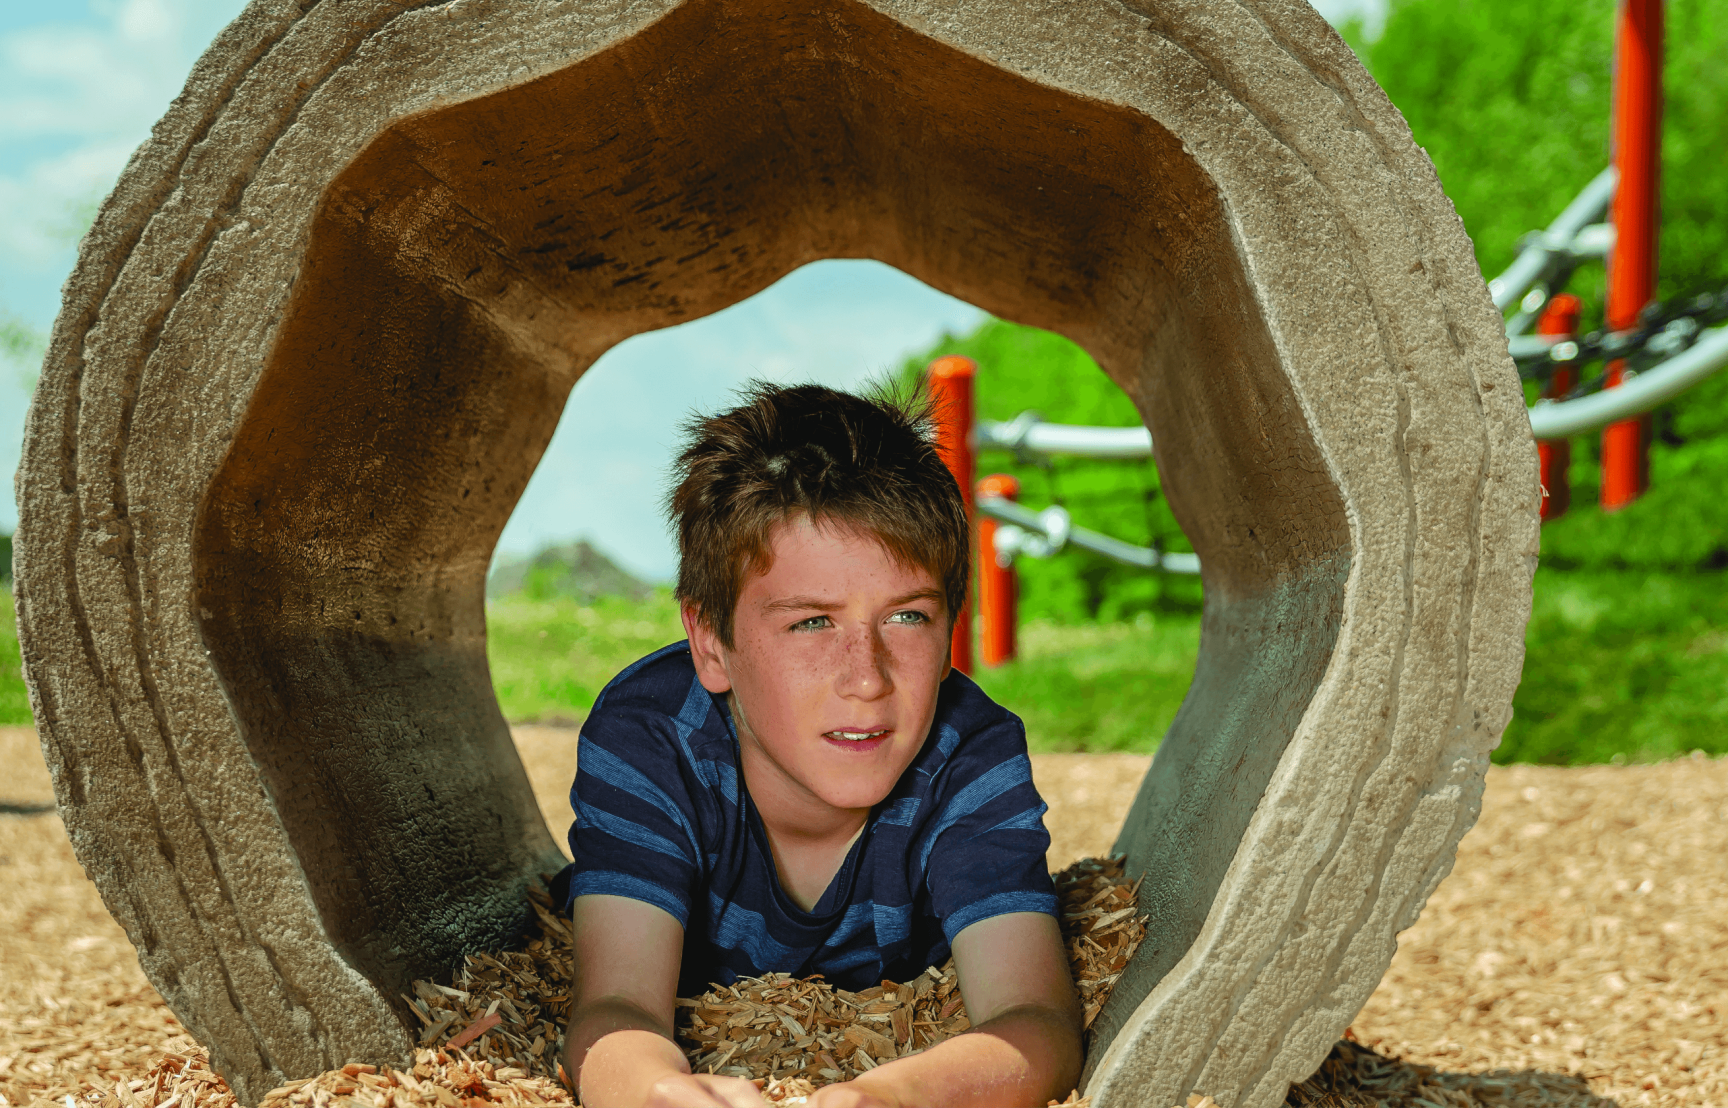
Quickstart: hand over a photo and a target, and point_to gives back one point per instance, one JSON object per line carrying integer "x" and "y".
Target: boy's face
{"x": 837, "y": 654}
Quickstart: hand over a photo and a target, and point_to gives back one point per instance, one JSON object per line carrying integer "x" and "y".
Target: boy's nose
{"x": 865, "y": 670}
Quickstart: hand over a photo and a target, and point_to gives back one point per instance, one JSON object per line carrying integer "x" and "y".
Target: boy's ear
{"x": 706, "y": 651}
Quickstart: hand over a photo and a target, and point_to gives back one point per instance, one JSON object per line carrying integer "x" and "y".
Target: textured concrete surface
{"x": 323, "y": 328}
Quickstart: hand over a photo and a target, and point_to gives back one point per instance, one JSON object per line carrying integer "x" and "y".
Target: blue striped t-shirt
{"x": 662, "y": 816}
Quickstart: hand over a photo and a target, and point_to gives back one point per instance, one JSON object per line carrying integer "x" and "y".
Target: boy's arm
{"x": 618, "y": 1047}
{"x": 1024, "y": 1046}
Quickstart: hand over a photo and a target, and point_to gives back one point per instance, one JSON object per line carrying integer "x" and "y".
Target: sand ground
{"x": 1584, "y": 930}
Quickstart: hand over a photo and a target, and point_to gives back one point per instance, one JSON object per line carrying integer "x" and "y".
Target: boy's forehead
{"x": 835, "y": 556}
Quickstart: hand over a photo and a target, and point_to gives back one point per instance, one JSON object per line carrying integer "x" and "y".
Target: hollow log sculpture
{"x": 323, "y": 328}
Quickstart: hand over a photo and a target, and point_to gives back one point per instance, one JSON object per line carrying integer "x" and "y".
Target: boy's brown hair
{"x": 869, "y": 464}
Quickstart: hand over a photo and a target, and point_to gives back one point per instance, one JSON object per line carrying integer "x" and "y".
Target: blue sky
{"x": 81, "y": 82}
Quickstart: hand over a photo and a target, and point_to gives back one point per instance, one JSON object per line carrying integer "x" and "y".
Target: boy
{"x": 805, "y": 786}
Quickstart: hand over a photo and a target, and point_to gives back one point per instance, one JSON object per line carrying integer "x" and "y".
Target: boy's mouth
{"x": 855, "y": 736}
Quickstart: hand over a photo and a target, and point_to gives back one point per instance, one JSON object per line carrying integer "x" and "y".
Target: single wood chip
{"x": 478, "y": 1028}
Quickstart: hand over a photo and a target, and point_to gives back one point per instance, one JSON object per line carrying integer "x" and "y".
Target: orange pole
{"x": 1632, "y": 268}
{"x": 951, "y": 380}
{"x": 1560, "y": 317}
{"x": 998, "y": 584}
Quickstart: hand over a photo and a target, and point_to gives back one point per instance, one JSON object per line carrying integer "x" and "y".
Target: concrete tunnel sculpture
{"x": 325, "y": 324}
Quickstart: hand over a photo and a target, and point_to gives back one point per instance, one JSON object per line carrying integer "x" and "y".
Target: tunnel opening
{"x": 475, "y": 260}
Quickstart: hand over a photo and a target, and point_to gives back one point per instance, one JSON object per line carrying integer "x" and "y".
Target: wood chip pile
{"x": 1353, "y": 1076}
{"x": 798, "y": 1035}
{"x": 181, "y": 1078}
{"x": 801, "y": 1034}
{"x": 506, "y": 1009}
{"x": 439, "y": 1079}
{"x": 1582, "y": 934}
{"x": 1101, "y": 926}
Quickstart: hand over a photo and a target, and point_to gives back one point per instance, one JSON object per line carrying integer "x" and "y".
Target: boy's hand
{"x": 639, "y": 1067}
{"x": 849, "y": 1094}
{"x": 703, "y": 1090}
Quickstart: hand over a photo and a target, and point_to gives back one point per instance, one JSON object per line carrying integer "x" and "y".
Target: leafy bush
{"x": 1512, "y": 102}
{"x": 575, "y": 570}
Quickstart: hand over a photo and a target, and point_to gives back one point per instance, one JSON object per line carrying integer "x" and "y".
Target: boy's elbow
{"x": 605, "y": 1014}
{"x": 1068, "y": 1037}
{"x": 1049, "y": 1037}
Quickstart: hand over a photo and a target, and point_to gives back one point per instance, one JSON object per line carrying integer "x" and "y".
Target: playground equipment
{"x": 320, "y": 332}
{"x": 1637, "y": 330}
{"x": 1652, "y": 353}
{"x": 1667, "y": 349}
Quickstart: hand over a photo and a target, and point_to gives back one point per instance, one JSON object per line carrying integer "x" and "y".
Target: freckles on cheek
{"x": 788, "y": 667}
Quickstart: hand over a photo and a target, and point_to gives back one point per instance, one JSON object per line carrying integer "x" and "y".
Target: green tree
{"x": 1512, "y": 101}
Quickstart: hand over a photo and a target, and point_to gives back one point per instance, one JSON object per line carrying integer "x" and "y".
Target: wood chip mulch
{"x": 495, "y": 1035}
{"x": 1583, "y": 934}
{"x": 799, "y": 1035}
{"x": 1577, "y": 956}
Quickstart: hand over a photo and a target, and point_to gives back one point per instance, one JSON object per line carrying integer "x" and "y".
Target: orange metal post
{"x": 1632, "y": 267}
{"x": 951, "y": 381}
{"x": 1560, "y": 317}
{"x": 998, "y": 584}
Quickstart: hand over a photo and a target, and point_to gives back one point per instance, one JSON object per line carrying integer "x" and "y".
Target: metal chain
{"x": 1664, "y": 329}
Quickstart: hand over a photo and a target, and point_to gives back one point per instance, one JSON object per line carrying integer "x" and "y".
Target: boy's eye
{"x": 814, "y": 623}
{"x": 910, "y": 615}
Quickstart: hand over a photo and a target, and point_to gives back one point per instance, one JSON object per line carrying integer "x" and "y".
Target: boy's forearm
{"x": 615, "y": 1051}
{"x": 1027, "y": 1055}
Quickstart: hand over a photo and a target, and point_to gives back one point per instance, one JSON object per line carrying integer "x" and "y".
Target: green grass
{"x": 14, "y": 699}
{"x": 1622, "y": 666}
{"x": 1098, "y": 686}
{"x": 551, "y": 657}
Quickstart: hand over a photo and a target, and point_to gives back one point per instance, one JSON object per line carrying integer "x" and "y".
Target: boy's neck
{"x": 809, "y": 838}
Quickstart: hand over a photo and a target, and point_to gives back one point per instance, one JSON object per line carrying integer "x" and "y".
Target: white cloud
{"x": 76, "y": 98}
{"x": 96, "y": 81}
{"x": 79, "y": 91}
{"x": 46, "y": 204}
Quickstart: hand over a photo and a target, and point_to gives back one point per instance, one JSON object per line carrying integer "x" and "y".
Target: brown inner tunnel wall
{"x": 468, "y": 266}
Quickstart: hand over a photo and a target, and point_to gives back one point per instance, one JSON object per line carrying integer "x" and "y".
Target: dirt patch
{"x": 1578, "y": 951}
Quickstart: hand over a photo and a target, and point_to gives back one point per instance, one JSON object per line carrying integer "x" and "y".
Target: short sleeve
{"x": 635, "y": 833}
{"x": 983, "y": 854}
